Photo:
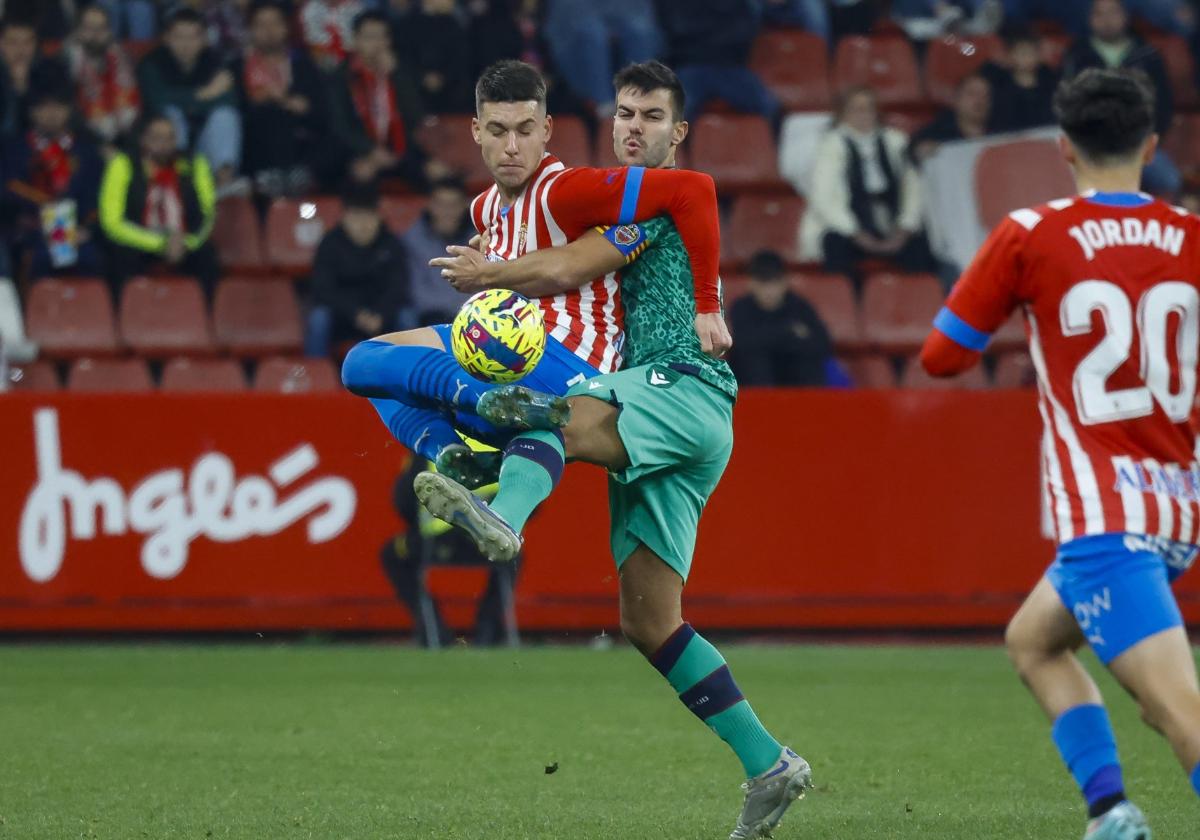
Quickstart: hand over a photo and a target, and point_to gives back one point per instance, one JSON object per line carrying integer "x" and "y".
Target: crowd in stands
{"x": 172, "y": 138}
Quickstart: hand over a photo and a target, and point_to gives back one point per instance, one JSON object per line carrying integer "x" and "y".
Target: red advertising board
{"x": 839, "y": 510}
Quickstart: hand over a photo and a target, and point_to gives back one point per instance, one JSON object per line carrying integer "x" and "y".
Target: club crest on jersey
{"x": 627, "y": 235}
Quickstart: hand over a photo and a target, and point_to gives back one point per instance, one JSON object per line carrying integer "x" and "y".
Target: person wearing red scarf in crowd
{"x": 51, "y": 179}
{"x": 105, "y": 82}
{"x": 376, "y": 107}
{"x": 327, "y": 27}
{"x": 157, "y": 209}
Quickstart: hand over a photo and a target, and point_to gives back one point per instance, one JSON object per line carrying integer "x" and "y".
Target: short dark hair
{"x": 184, "y": 14}
{"x": 1018, "y": 33}
{"x": 1107, "y": 114}
{"x": 52, "y": 92}
{"x": 362, "y": 195}
{"x": 842, "y": 100}
{"x": 265, "y": 5}
{"x": 449, "y": 182}
{"x": 510, "y": 80}
{"x": 7, "y": 23}
{"x": 766, "y": 265}
{"x": 649, "y": 76}
{"x": 96, "y": 8}
{"x": 370, "y": 16}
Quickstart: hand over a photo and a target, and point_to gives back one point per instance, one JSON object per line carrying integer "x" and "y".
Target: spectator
{"x": 1112, "y": 45}
{"x": 328, "y": 29}
{"x": 969, "y": 119}
{"x": 866, "y": 195}
{"x": 52, "y": 176}
{"x": 104, "y": 77}
{"x": 185, "y": 80}
{"x": 1022, "y": 87}
{"x": 227, "y": 22}
{"x": 157, "y": 210}
{"x": 52, "y": 19}
{"x": 436, "y": 46}
{"x": 376, "y": 107}
{"x": 22, "y": 70}
{"x": 812, "y": 15}
{"x": 924, "y": 20}
{"x": 446, "y": 221}
{"x": 581, "y": 34}
{"x": 284, "y": 107}
{"x": 360, "y": 276}
{"x": 709, "y": 42}
{"x": 133, "y": 19}
{"x": 779, "y": 338}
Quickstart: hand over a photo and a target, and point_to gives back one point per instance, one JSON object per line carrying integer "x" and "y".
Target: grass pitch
{"x": 355, "y": 742}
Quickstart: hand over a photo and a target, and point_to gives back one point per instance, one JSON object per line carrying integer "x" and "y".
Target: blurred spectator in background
{"x": 866, "y": 195}
{"x": 105, "y": 81}
{"x": 376, "y": 107}
{"x": 1072, "y": 15}
{"x": 133, "y": 19}
{"x": 185, "y": 80}
{"x": 812, "y": 15}
{"x": 582, "y": 34}
{"x": 157, "y": 209}
{"x": 709, "y": 43}
{"x": 436, "y": 45}
{"x": 1111, "y": 44}
{"x": 924, "y": 20}
{"x": 446, "y": 221}
{"x": 854, "y": 17}
{"x": 360, "y": 276}
{"x": 778, "y": 337}
{"x": 328, "y": 29}
{"x": 969, "y": 119}
{"x": 1022, "y": 87}
{"x": 53, "y": 19}
{"x": 22, "y": 70}
{"x": 227, "y": 22}
{"x": 52, "y": 181}
{"x": 283, "y": 105}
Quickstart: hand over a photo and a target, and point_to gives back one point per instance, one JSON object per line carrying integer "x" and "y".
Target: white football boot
{"x": 770, "y": 794}
{"x": 1123, "y": 822}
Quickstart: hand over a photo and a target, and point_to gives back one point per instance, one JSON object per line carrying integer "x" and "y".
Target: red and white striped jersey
{"x": 1110, "y": 287}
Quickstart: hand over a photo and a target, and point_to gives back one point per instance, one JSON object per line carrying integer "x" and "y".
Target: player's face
{"x": 1108, "y": 20}
{"x": 512, "y": 137}
{"x": 645, "y": 130}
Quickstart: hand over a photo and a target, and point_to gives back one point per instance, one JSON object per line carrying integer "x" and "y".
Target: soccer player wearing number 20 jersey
{"x": 1110, "y": 284}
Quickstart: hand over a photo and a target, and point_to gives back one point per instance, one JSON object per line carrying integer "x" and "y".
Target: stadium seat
{"x": 104, "y": 375}
{"x": 448, "y": 138}
{"x": 763, "y": 222}
{"x": 401, "y": 211}
{"x": 33, "y": 376}
{"x": 1182, "y": 143}
{"x": 1014, "y": 370}
{"x": 296, "y": 376}
{"x": 886, "y": 64}
{"x": 254, "y": 318}
{"x": 873, "y": 370}
{"x": 71, "y": 317}
{"x": 237, "y": 234}
{"x": 295, "y": 228}
{"x": 1023, "y": 173}
{"x": 1010, "y": 336}
{"x": 949, "y": 60}
{"x": 738, "y": 151}
{"x": 833, "y": 298}
{"x": 165, "y": 317}
{"x": 794, "y": 64}
{"x": 570, "y": 143}
{"x": 974, "y": 379}
{"x": 196, "y": 375}
{"x": 1181, "y": 69}
{"x": 898, "y": 310}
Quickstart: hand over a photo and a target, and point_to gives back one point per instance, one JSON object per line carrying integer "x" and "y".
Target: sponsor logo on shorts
{"x": 1175, "y": 554}
{"x": 1088, "y": 614}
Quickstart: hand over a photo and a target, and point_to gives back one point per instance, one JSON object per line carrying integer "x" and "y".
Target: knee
{"x": 356, "y": 365}
{"x": 1022, "y": 650}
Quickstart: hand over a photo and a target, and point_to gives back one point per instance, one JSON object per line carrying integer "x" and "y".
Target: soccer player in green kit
{"x": 662, "y": 426}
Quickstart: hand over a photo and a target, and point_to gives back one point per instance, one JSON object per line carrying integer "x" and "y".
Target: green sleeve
{"x": 206, "y": 193}
{"x": 114, "y": 191}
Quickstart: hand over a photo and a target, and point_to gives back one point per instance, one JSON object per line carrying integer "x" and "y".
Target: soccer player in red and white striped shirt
{"x": 1110, "y": 284}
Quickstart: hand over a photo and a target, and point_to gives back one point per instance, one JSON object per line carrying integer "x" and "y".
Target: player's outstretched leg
{"x": 470, "y": 468}
{"x": 455, "y": 504}
{"x": 414, "y": 373}
{"x": 518, "y": 407}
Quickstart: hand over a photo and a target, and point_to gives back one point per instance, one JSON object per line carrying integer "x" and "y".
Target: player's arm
{"x": 980, "y": 303}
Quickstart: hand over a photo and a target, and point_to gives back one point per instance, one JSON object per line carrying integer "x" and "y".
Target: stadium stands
{"x": 295, "y": 228}
{"x": 401, "y": 211}
{"x": 915, "y": 377}
{"x": 795, "y": 65}
{"x": 237, "y": 235}
{"x": 833, "y": 298}
{"x": 109, "y": 375}
{"x": 738, "y": 151}
{"x": 885, "y": 64}
{"x": 873, "y": 370}
{"x": 570, "y": 143}
{"x": 257, "y": 317}
{"x": 949, "y": 60}
{"x": 184, "y": 375}
{"x": 450, "y": 136}
{"x": 1181, "y": 69}
{"x": 70, "y": 317}
{"x": 897, "y": 310}
{"x": 165, "y": 317}
{"x": 1014, "y": 370}
{"x": 763, "y": 222}
{"x": 296, "y": 376}
{"x": 1044, "y": 175}
{"x": 33, "y": 376}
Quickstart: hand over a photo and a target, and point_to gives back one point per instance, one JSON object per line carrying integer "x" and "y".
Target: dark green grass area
{"x": 345, "y": 741}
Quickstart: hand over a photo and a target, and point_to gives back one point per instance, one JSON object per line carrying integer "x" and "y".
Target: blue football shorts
{"x": 1118, "y": 587}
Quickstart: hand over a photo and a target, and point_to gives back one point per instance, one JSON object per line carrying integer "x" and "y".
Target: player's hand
{"x": 480, "y": 242}
{"x": 464, "y": 269}
{"x": 715, "y": 339}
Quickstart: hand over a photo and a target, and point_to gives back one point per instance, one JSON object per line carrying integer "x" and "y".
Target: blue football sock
{"x": 422, "y": 430}
{"x": 410, "y": 374}
{"x": 1085, "y": 740}
{"x": 1196, "y": 779}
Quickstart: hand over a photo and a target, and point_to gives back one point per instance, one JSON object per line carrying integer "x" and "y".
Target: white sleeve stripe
{"x": 1026, "y": 218}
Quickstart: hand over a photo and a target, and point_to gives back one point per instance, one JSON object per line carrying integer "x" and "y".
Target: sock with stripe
{"x": 1085, "y": 740}
{"x": 423, "y": 430}
{"x": 1196, "y": 779}
{"x": 699, "y": 675}
{"x": 533, "y": 464}
{"x": 410, "y": 374}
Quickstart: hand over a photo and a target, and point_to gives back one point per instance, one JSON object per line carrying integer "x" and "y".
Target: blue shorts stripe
{"x": 633, "y": 189}
{"x": 959, "y": 331}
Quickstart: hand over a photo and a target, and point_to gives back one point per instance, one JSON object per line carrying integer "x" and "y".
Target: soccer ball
{"x": 498, "y": 336}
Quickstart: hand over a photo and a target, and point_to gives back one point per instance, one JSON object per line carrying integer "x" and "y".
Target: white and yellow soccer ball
{"x": 498, "y": 336}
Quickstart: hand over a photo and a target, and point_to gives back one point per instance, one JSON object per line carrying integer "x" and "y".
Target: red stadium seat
{"x": 400, "y": 212}
{"x": 1181, "y": 69}
{"x": 885, "y": 64}
{"x": 898, "y": 310}
{"x": 237, "y": 234}
{"x": 295, "y": 228}
{"x": 34, "y": 376}
{"x": 1023, "y": 173}
{"x": 873, "y": 370}
{"x": 951, "y": 59}
{"x": 1014, "y": 370}
{"x": 1182, "y": 143}
{"x": 569, "y": 142}
{"x": 833, "y": 298}
{"x": 296, "y": 376}
{"x": 257, "y": 318}
{"x": 794, "y": 64}
{"x": 200, "y": 375}
{"x": 1010, "y": 336}
{"x": 448, "y": 138}
{"x": 105, "y": 375}
{"x": 915, "y": 376}
{"x": 71, "y": 317}
{"x": 738, "y": 151}
{"x": 165, "y": 317}
{"x": 764, "y": 222}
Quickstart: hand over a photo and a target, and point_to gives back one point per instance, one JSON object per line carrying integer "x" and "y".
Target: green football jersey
{"x": 660, "y": 304}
